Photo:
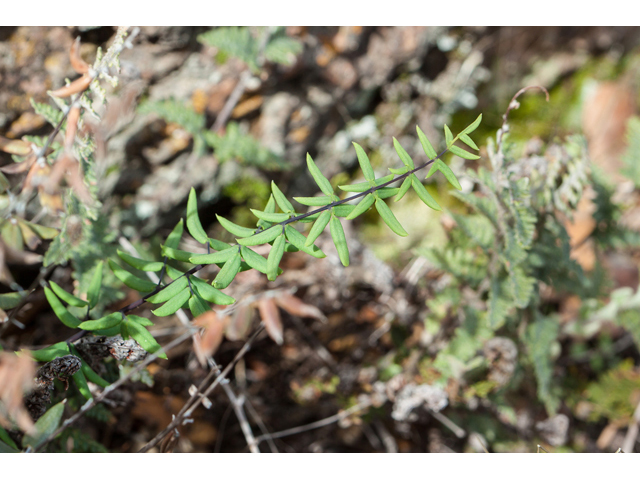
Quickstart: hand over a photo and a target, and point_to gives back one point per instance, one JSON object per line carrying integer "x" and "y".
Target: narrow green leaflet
{"x": 342, "y": 210}
{"x": 130, "y": 280}
{"x": 198, "y": 306}
{"x": 446, "y": 171}
{"x": 141, "y": 335}
{"x": 228, "y": 272}
{"x": 298, "y": 240}
{"x": 399, "y": 171}
{"x": 140, "y": 264}
{"x": 49, "y": 353}
{"x": 173, "y": 240}
{"x": 269, "y": 208}
{"x": 170, "y": 291}
{"x": 109, "y": 321}
{"x": 355, "y": 187}
{"x": 174, "y": 254}
{"x": 253, "y": 259}
{"x": 313, "y": 201}
{"x": 89, "y": 374}
{"x": 339, "y": 240}
{"x": 402, "y": 153}
{"x": 145, "y": 322}
{"x": 365, "y": 164}
{"x": 217, "y": 244}
{"x": 218, "y": 257}
{"x": 66, "y": 296}
{"x": 4, "y": 436}
{"x": 467, "y": 140}
{"x": 212, "y": 294}
{"x": 174, "y": 273}
{"x": 448, "y": 136}
{"x": 389, "y": 218}
{"x": 362, "y": 207}
{"x": 59, "y": 309}
{"x": 270, "y": 217}
{"x": 281, "y": 200}
{"x": 463, "y": 153}
{"x": 406, "y": 185}
{"x": 234, "y": 229}
{"x": 426, "y": 145}
{"x": 93, "y": 294}
{"x": 81, "y": 382}
{"x": 275, "y": 255}
{"x": 320, "y": 179}
{"x": 387, "y": 192}
{"x": 174, "y": 304}
{"x": 318, "y": 227}
{"x": 193, "y": 221}
{"x": 423, "y": 194}
{"x": 364, "y": 186}
{"x": 10, "y": 300}
{"x": 263, "y": 237}
{"x": 473, "y": 126}
{"x": 45, "y": 426}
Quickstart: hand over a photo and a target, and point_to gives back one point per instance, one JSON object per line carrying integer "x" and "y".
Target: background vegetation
{"x": 509, "y": 319}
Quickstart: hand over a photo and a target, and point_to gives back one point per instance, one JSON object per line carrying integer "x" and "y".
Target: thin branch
{"x": 632, "y": 433}
{"x": 198, "y": 396}
{"x": 320, "y": 423}
{"x": 231, "y": 102}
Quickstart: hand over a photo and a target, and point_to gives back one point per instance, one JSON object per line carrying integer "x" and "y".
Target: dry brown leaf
{"x": 16, "y": 379}
{"x": 247, "y": 106}
{"x": 72, "y": 127}
{"x": 30, "y": 238}
{"x": 15, "y": 147}
{"x": 271, "y": 318}
{"x": 38, "y": 174}
{"x": 18, "y": 257}
{"x": 19, "y": 167}
{"x": 78, "y": 64}
{"x": 295, "y": 306}
{"x": 209, "y": 340}
{"x": 240, "y": 323}
{"x": 77, "y": 86}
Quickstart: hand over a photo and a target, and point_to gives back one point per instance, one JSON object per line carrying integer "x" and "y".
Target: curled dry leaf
{"x": 239, "y": 324}
{"x": 16, "y": 378}
{"x": 15, "y": 147}
{"x": 295, "y": 306}
{"x": 19, "y": 167}
{"x": 38, "y": 174}
{"x": 77, "y": 86}
{"x": 72, "y": 126}
{"x": 209, "y": 340}
{"x": 78, "y": 64}
{"x": 271, "y": 318}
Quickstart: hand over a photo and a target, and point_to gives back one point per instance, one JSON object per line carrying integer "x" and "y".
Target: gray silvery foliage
{"x": 502, "y": 256}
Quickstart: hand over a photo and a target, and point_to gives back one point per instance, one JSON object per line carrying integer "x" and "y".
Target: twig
{"x": 632, "y": 433}
{"x": 231, "y": 102}
{"x": 94, "y": 401}
{"x": 197, "y": 398}
{"x": 457, "y": 431}
{"x": 256, "y": 417}
{"x": 320, "y": 423}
